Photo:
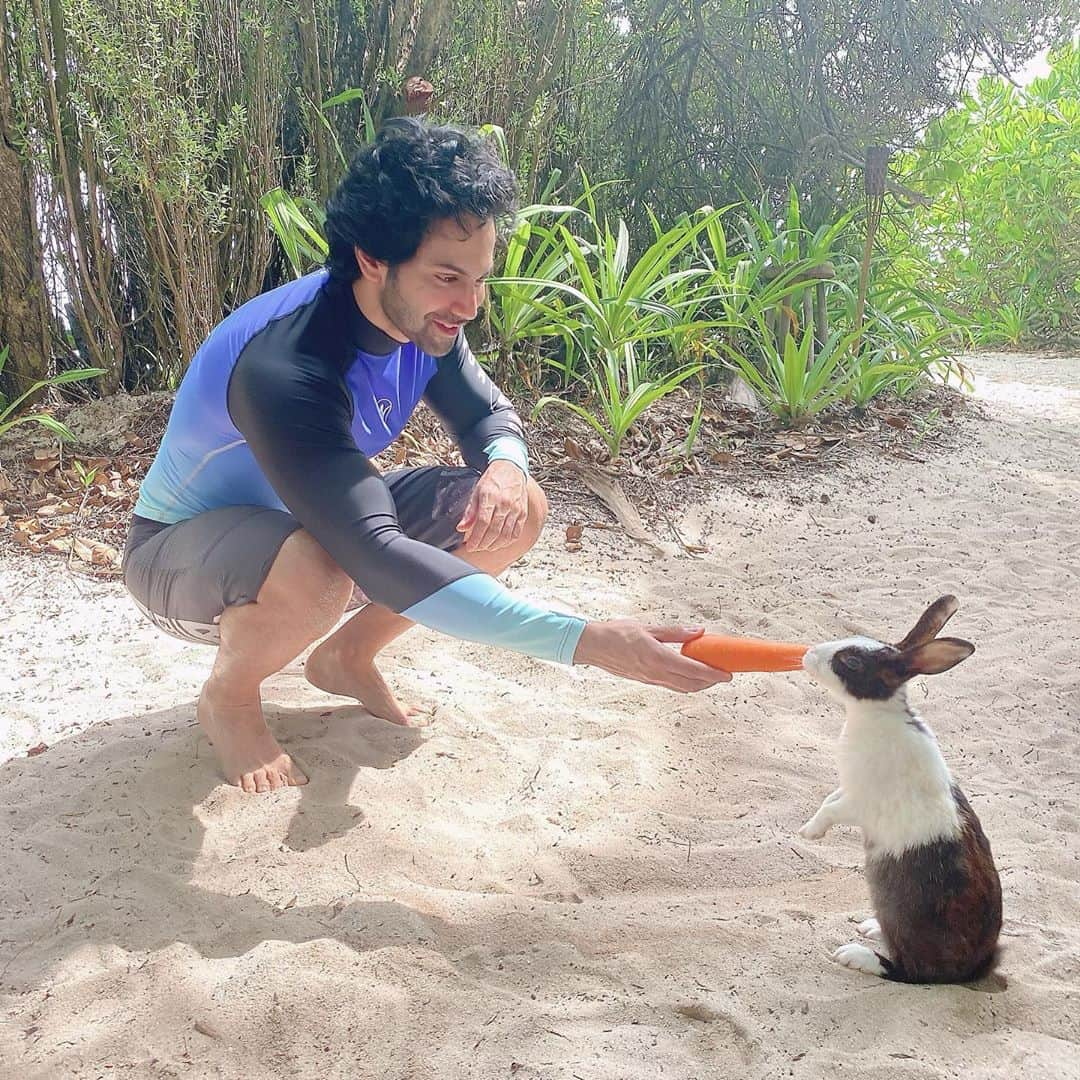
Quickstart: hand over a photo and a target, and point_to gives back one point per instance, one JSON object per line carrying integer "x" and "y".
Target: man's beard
{"x": 411, "y": 323}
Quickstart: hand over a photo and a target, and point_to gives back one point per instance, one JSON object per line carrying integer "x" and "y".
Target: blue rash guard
{"x": 285, "y": 404}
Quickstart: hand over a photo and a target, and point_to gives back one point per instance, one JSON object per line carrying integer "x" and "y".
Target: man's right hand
{"x": 639, "y": 652}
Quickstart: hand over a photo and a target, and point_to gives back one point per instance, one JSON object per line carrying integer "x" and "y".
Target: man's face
{"x": 430, "y": 297}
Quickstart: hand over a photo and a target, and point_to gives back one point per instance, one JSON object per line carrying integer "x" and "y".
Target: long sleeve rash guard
{"x": 285, "y": 404}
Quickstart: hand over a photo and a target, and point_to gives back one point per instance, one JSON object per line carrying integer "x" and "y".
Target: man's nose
{"x": 467, "y": 302}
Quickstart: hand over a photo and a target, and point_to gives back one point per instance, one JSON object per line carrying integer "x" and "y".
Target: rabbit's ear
{"x": 929, "y": 626}
{"x": 935, "y": 656}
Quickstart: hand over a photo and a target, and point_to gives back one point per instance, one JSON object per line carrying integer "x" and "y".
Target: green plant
{"x": 86, "y": 476}
{"x": 344, "y": 98}
{"x": 610, "y": 305}
{"x": 621, "y": 392}
{"x": 925, "y": 425}
{"x": 530, "y": 310}
{"x": 8, "y": 419}
{"x": 793, "y": 385}
{"x": 762, "y": 274}
{"x": 298, "y": 225}
{"x": 1001, "y": 232}
{"x": 906, "y": 337}
{"x": 1008, "y": 325}
{"x": 299, "y": 222}
{"x": 694, "y": 429}
{"x": 613, "y": 313}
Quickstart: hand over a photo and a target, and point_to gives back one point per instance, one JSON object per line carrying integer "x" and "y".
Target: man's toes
{"x": 247, "y": 783}
{"x": 291, "y": 774}
{"x": 261, "y": 782}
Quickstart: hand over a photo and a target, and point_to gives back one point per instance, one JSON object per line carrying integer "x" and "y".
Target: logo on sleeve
{"x": 385, "y": 407}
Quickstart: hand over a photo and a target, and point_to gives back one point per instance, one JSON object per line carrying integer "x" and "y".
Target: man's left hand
{"x": 497, "y": 510}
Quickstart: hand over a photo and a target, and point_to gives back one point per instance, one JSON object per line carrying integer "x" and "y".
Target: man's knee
{"x": 538, "y": 512}
{"x": 304, "y": 575}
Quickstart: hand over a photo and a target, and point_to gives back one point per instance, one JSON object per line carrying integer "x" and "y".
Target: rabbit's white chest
{"x": 895, "y": 782}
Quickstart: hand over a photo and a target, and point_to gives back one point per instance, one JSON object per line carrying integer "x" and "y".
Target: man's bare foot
{"x": 250, "y": 756}
{"x": 360, "y": 680}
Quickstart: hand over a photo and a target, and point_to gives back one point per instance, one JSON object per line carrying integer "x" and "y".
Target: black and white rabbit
{"x": 933, "y": 884}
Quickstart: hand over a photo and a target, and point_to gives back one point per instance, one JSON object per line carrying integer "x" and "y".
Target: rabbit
{"x": 931, "y": 874}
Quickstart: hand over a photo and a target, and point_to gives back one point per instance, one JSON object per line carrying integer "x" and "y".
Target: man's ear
{"x": 371, "y": 269}
{"x": 935, "y": 656}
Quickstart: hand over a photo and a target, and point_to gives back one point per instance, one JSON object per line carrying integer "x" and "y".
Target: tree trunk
{"x": 24, "y": 312}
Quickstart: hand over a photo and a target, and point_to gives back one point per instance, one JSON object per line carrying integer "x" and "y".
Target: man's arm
{"x": 295, "y": 412}
{"x": 475, "y": 411}
{"x": 491, "y": 438}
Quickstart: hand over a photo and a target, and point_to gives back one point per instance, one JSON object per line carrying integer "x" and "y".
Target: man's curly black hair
{"x": 414, "y": 173}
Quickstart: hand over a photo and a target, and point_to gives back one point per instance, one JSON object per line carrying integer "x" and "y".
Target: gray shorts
{"x": 183, "y": 576}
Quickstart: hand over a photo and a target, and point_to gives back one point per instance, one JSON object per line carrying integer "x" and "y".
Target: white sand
{"x": 566, "y": 875}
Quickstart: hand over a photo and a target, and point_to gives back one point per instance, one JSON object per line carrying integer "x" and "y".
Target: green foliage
{"x": 610, "y": 312}
{"x": 346, "y": 97}
{"x": 298, "y": 225}
{"x": 1001, "y": 236}
{"x": 794, "y": 384}
{"x": 702, "y": 294}
{"x": 298, "y": 221}
{"x": 150, "y": 133}
{"x": 621, "y": 393}
{"x": 524, "y": 305}
{"x": 8, "y": 409}
{"x": 707, "y": 101}
{"x": 86, "y": 476}
{"x": 905, "y": 337}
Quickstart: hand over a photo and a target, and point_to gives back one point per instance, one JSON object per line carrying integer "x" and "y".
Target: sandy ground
{"x": 566, "y": 876}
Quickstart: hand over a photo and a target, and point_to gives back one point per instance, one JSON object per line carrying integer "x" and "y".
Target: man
{"x": 262, "y": 507}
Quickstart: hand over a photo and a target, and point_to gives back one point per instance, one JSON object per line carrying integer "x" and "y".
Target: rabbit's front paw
{"x": 813, "y": 829}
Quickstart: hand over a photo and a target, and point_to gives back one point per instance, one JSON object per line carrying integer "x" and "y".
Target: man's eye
{"x": 448, "y": 280}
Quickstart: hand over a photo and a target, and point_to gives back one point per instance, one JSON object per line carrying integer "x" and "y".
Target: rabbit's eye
{"x": 852, "y": 663}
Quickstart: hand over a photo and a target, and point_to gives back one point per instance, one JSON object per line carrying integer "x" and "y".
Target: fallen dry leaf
{"x": 95, "y": 552}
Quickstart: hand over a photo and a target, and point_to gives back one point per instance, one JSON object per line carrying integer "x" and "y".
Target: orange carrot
{"x": 745, "y": 654}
